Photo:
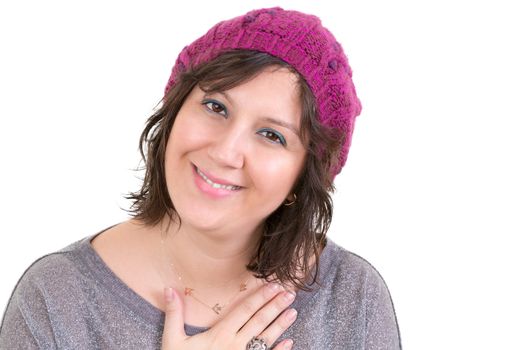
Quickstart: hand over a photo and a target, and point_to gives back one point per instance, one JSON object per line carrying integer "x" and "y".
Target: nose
{"x": 228, "y": 149}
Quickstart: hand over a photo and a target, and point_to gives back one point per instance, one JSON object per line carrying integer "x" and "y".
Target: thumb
{"x": 174, "y": 319}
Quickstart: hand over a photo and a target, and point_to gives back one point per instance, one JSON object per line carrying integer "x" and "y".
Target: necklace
{"x": 188, "y": 291}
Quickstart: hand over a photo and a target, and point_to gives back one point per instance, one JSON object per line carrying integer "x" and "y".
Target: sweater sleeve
{"x": 26, "y": 323}
{"x": 382, "y": 331}
{"x": 15, "y": 332}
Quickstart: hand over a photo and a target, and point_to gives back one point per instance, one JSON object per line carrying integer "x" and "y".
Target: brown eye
{"x": 215, "y": 107}
{"x": 273, "y": 136}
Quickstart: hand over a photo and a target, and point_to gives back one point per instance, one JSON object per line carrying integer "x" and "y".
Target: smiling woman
{"x": 232, "y": 155}
{"x": 227, "y": 246}
{"x": 235, "y": 150}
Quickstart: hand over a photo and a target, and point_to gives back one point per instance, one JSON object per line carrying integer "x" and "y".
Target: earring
{"x": 288, "y": 203}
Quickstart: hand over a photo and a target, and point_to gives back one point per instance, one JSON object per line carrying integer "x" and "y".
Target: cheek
{"x": 276, "y": 176}
{"x": 187, "y": 133}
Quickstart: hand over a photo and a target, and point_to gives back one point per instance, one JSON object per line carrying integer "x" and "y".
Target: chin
{"x": 202, "y": 221}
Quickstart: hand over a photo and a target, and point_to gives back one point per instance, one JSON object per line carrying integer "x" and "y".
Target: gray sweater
{"x": 72, "y": 300}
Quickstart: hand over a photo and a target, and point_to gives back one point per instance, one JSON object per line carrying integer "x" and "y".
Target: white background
{"x": 432, "y": 194}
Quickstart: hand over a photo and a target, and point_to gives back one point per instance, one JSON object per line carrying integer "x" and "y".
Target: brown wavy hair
{"x": 291, "y": 234}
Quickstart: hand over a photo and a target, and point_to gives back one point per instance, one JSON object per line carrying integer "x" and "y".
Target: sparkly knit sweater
{"x": 72, "y": 300}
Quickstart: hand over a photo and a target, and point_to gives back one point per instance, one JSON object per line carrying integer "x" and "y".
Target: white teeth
{"x": 216, "y": 185}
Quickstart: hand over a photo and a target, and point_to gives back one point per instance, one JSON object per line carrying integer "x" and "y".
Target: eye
{"x": 215, "y": 107}
{"x": 273, "y": 136}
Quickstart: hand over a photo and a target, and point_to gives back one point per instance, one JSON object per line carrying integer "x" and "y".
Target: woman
{"x": 227, "y": 247}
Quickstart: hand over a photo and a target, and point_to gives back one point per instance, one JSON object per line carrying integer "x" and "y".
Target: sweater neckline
{"x": 104, "y": 276}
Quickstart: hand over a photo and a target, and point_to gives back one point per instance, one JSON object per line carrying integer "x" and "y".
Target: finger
{"x": 234, "y": 320}
{"x": 284, "y": 345}
{"x": 174, "y": 319}
{"x": 279, "y": 326}
{"x": 270, "y": 321}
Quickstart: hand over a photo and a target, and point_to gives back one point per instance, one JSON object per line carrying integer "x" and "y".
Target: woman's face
{"x": 232, "y": 157}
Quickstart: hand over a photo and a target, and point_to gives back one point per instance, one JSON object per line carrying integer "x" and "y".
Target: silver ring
{"x": 256, "y": 344}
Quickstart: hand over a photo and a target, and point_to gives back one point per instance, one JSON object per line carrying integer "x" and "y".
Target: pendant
{"x": 243, "y": 287}
{"x": 217, "y": 308}
{"x": 188, "y": 291}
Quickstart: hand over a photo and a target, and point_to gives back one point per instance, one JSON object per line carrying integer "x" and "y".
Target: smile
{"x": 216, "y": 185}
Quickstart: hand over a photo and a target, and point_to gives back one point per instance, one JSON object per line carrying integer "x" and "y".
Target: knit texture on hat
{"x": 301, "y": 41}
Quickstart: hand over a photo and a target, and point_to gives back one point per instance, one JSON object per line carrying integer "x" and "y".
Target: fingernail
{"x": 168, "y": 294}
{"x": 288, "y": 344}
{"x": 291, "y": 314}
{"x": 290, "y": 296}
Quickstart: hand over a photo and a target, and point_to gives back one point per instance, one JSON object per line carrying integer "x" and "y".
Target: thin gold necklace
{"x": 188, "y": 291}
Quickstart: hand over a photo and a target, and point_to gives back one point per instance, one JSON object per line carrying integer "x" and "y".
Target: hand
{"x": 250, "y": 318}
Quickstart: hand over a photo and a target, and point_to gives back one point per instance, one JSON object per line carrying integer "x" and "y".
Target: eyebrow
{"x": 226, "y": 96}
{"x": 266, "y": 119}
{"x": 282, "y": 123}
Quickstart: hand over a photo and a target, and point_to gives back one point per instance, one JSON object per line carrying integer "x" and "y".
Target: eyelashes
{"x": 273, "y": 136}
{"x": 269, "y": 134}
{"x": 215, "y": 107}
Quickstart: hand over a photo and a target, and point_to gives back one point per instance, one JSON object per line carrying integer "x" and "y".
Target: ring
{"x": 256, "y": 344}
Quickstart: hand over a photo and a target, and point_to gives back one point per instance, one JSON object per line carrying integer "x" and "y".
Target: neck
{"x": 207, "y": 260}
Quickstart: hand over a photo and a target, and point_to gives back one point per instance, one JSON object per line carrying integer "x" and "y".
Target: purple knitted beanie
{"x": 301, "y": 41}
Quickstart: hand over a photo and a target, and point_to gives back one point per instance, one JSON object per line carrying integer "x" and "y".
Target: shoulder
{"x": 352, "y": 279}
{"x": 47, "y": 287}
{"x": 48, "y": 275}
{"x": 358, "y": 287}
{"x": 350, "y": 267}
{"x": 49, "y": 265}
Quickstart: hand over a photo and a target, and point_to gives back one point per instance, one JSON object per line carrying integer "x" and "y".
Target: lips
{"x": 216, "y": 183}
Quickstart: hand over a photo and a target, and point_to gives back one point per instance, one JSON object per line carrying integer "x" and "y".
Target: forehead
{"x": 274, "y": 88}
